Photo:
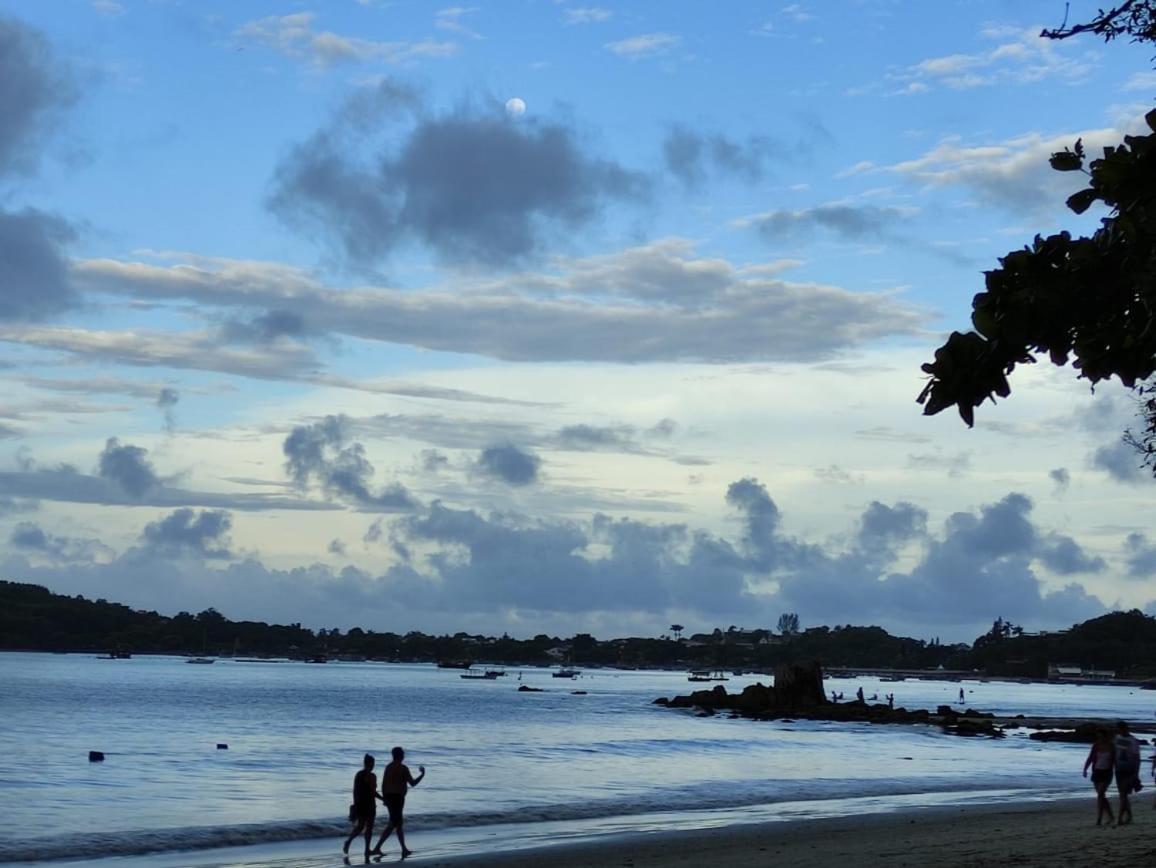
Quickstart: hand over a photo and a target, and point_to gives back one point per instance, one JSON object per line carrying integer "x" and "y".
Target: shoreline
{"x": 973, "y": 832}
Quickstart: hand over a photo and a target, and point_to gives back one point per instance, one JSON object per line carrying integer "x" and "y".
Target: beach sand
{"x": 1032, "y": 835}
{"x": 1039, "y": 834}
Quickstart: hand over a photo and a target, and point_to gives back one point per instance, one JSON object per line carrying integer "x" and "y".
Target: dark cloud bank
{"x": 462, "y": 568}
{"x": 473, "y": 185}
{"x": 35, "y": 88}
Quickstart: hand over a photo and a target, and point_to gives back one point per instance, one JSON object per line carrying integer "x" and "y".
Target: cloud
{"x": 509, "y": 464}
{"x": 452, "y": 19}
{"x": 586, "y": 15}
{"x": 1061, "y": 477}
{"x": 128, "y": 467}
{"x": 473, "y": 185}
{"x": 108, "y": 8}
{"x": 337, "y": 547}
{"x": 322, "y": 453}
{"x": 1141, "y": 556}
{"x": 34, "y": 89}
{"x": 31, "y": 537}
{"x": 1062, "y": 554}
{"x": 836, "y": 474}
{"x": 1121, "y": 462}
{"x": 645, "y": 45}
{"x": 126, "y": 478}
{"x": 654, "y": 302}
{"x": 295, "y": 37}
{"x": 956, "y": 465}
{"x": 433, "y": 461}
{"x": 597, "y": 438}
{"x": 850, "y": 222}
{"x": 186, "y": 533}
{"x": 167, "y": 400}
{"x": 690, "y": 155}
{"x": 461, "y": 568}
{"x": 1021, "y": 57}
{"x": 883, "y": 526}
{"x": 1012, "y": 174}
{"x": 35, "y": 283}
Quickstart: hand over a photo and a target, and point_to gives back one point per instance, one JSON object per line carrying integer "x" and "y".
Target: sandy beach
{"x": 1034, "y": 835}
{"x": 1039, "y": 834}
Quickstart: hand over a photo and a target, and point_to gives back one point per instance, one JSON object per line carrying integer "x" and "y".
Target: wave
{"x": 140, "y": 842}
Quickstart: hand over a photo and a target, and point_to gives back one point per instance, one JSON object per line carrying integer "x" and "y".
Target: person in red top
{"x": 395, "y": 782}
{"x": 364, "y": 808}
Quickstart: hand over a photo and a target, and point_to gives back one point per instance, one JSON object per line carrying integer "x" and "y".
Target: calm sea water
{"x": 296, "y": 733}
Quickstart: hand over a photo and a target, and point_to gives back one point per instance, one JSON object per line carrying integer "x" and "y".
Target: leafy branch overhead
{"x": 1088, "y": 299}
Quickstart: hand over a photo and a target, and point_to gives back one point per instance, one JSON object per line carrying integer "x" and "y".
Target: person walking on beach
{"x": 395, "y": 782}
{"x": 1101, "y": 759}
{"x": 364, "y": 808}
{"x": 1127, "y": 770}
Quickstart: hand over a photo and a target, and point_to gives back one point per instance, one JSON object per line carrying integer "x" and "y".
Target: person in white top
{"x": 1101, "y": 759}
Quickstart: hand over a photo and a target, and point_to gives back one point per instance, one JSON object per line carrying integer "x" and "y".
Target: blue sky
{"x": 304, "y": 321}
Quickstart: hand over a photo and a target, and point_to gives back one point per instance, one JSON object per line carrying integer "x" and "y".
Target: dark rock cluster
{"x": 798, "y": 695}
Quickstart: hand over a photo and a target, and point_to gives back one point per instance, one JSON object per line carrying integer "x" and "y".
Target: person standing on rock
{"x": 395, "y": 782}
{"x": 1127, "y": 769}
{"x": 1101, "y": 760}
{"x": 859, "y": 695}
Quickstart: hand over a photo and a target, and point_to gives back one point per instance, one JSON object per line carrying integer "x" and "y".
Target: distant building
{"x": 1078, "y": 673}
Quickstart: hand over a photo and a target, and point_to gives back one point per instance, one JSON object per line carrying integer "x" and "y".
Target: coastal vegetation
{"x": 35, "y": 619}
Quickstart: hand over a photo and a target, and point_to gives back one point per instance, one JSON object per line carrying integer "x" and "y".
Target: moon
{"x": 515, "y": 107}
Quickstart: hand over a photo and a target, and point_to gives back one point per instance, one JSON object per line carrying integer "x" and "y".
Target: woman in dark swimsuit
{"x": 1101, "y": 760}
{"x": 363, "y": 811}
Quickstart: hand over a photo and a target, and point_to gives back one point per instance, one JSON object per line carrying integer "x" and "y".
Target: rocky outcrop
{"x": 1084, "y": 733}
{"x": 798, "y": 694}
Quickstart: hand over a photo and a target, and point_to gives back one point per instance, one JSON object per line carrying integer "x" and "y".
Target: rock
{"x": 662, "y": 700}
{"x": 799, "y": 685}
{"x": 945, "y": 711}
{"x": 577, "y": 692}
{"x": 525, "y": 688}
{"x": 1084, "y": 733}
{"x": 95, "y": 756}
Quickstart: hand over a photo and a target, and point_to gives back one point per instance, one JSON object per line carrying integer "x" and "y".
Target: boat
{"x": 566, "y": 672}
{"x": 496, "y": 673}
{"x": 116, "y": 655}
{"x": 201, "y": 660}
{"x": 317, "y": 658}
{"x": 478, "y": 676}
{"x": 707, "y": 675}
{"x": 455, "y": 664}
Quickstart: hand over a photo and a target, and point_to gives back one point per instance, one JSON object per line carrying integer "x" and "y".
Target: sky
{"x": 545, "y": 316}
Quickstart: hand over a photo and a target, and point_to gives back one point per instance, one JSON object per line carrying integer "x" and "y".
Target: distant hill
{"x": 36, "y": 619}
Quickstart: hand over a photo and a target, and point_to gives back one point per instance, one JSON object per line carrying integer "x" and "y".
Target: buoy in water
{"x": 95, "y": 756}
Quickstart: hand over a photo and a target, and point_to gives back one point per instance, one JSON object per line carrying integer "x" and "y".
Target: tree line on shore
{"x": 33, "y": 618}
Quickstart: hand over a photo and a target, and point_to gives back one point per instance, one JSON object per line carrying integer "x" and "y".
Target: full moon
{"x": 515, "y": 107}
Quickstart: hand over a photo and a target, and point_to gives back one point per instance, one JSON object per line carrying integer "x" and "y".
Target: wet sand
{"x": 1032, "y": 835}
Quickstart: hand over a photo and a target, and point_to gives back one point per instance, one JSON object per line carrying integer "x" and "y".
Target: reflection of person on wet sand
{"x": 395, "y": 781}
{"x": 364, "y": 809}
{"x": 1101, "y": 759}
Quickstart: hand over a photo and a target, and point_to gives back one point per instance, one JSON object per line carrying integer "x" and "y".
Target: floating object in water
{"x": 526, "y": 688}
{"x": 95, "y": 756}
{"x": 222, "y": 746}
{"x": 577, "y": 692}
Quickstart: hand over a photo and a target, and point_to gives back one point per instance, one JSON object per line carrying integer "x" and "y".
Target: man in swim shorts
{"x": 395, "y": 782}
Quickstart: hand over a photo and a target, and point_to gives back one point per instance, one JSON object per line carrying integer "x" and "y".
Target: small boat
{"x": 455, "y": 664}
{"x": 707, "y": 675}
{"x": 317, "y": 658}
{"x": 478, "y": 676}
{"x": 201, "y": 660}
{"x": 566, "y": 672}
{"x": 116, "y": 655}
{"x": 496, "y": 673}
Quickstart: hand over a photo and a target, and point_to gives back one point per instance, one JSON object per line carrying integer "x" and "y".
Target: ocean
{"x": 558, "y": 762}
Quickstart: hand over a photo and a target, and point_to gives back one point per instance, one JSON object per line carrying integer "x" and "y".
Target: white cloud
{"x": 294, "y": 36}
{"x": 1022, "y": 57}
{"x": 644, "y": 45}
{"x": 586, "y": 15}
{"x": 656, "y": 302}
